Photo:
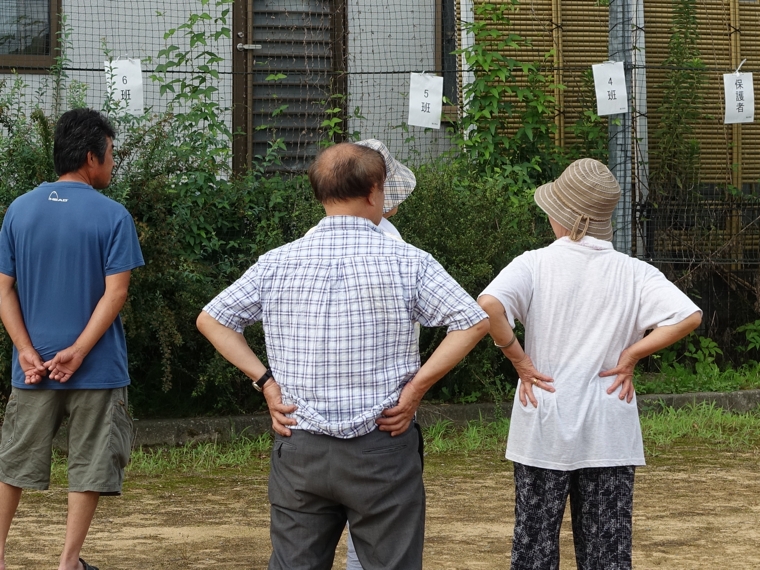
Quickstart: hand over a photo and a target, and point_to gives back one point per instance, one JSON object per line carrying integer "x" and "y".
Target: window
{"x": 28, "y": 34}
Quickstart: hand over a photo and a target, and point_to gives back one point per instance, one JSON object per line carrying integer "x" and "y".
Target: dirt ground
{"x": 694, "y": 509}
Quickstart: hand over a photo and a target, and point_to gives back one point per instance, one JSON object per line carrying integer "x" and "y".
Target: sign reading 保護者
{"x": 740, "y": 98}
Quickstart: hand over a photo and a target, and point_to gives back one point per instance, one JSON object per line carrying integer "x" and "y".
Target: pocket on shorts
{"x": 9, "y": 421}
{"x": 121, "y": 428}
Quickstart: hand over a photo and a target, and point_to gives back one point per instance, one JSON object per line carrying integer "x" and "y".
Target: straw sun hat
{"x": 399, "y": 180}
{"x": 582, "y": 199}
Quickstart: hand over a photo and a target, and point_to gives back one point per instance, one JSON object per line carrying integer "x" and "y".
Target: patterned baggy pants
{"x": 601, "y": 505}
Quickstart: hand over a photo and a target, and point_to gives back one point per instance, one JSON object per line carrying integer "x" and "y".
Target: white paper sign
{"x": 611, "y": 93}
{"x": 740, "y": 98}
{"x": 425, "y": 100}
{"x": 125, "y": 84}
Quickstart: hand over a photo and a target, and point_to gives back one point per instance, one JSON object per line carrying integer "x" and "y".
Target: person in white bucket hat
{"x": 575, "y": 427}
{"x": 399, "y": 184}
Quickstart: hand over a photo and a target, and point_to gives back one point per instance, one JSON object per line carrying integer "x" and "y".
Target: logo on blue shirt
{"x": 54, "y": 197}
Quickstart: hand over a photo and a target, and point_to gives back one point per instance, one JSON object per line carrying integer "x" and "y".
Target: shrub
{"x": 201, "y": 226}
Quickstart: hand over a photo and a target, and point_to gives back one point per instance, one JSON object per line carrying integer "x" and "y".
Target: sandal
{"x": 86, "y": 566}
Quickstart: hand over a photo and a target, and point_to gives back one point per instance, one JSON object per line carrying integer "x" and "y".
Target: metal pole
{"x": 620, "y": 126}
{"x": 641, "y": 131}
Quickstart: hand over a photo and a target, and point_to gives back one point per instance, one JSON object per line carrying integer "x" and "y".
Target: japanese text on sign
{"x": 611, "y": 92}
{"x": 740, "y": 98}
{"x": 125, "y": 85}
{"x": 425, "y": 100}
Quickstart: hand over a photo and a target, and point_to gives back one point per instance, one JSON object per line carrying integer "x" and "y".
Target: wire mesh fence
{"x": 306, "y": 71}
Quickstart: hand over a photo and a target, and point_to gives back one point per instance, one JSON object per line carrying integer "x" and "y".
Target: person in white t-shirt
{"x": 586, "y": 309}
{"x": 399, "y": 184}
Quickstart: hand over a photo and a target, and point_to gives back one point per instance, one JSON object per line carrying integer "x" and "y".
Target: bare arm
{"x": 233, "y": 346}
{"x": 13, "y": 320}
{"x": 68, "y": 360}
{"x": 452, "y": 349}
{"x": 502, "y": 334}
{"x": 658, "y": 339}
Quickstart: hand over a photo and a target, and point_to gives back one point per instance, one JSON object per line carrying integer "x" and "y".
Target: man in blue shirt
{"x": 66, "y": 255}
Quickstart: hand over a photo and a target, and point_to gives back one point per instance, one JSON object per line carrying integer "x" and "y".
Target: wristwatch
{"x": 259, "y": 384}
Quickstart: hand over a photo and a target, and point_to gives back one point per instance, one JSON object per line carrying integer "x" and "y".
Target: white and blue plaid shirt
{"x": 338, "y": 308}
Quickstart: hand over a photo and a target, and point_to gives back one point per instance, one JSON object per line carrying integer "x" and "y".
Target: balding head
{"x": 346, "y": 171}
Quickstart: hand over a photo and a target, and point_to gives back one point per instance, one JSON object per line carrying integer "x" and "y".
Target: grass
{"x": 701, "y": 425}
{"x": 203, "y": 457}
{"x": 242, "y": 453}
{"x": 444, "y": 437}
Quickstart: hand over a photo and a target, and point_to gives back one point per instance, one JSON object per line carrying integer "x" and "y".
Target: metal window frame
{"x": 37, "y": 64}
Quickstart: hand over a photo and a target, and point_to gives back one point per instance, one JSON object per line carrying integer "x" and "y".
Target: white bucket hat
{"x": 582, "y": 199}
{"x": 399, "y": 180}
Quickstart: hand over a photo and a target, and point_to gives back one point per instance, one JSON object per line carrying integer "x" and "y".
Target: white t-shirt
{"x": 389, "y": 229}
{"x": 582, "y": 303}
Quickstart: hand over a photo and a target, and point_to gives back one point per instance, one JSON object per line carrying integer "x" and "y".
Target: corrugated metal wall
{"x": 583, "y": 27}
{"x": 577, "y": 32}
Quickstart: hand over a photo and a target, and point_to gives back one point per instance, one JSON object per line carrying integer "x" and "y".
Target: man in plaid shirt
{"x": 338, "y": 308}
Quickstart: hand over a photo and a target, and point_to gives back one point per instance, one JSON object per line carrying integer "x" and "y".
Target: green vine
{"x": 508, "y": 124}
{"x": 590, "y": 130}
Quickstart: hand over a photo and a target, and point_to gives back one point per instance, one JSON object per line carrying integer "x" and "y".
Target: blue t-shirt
{"x": 60, "y": 241}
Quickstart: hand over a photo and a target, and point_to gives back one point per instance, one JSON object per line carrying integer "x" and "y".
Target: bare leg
{"x": 81, "y": 510}
{"x": 9, "y": 498}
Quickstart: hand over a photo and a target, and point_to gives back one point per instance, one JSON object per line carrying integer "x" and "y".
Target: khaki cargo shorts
{"x": 99, "y": 434}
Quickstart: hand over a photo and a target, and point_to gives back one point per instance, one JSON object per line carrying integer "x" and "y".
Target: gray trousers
{"x": 317, "y": 483}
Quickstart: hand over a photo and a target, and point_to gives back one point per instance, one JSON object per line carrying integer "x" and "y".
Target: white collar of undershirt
{"x": 586, "y": 241}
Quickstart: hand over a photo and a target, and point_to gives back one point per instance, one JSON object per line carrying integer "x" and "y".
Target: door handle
{"x": 244, "y": 47}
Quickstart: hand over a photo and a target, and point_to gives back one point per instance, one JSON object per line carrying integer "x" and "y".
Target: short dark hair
{"x": 345, "y": 171}
{"x": 78, "y": 132}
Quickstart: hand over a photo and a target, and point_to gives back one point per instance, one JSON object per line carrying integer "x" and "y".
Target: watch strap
{"x": 259, "y": 384}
